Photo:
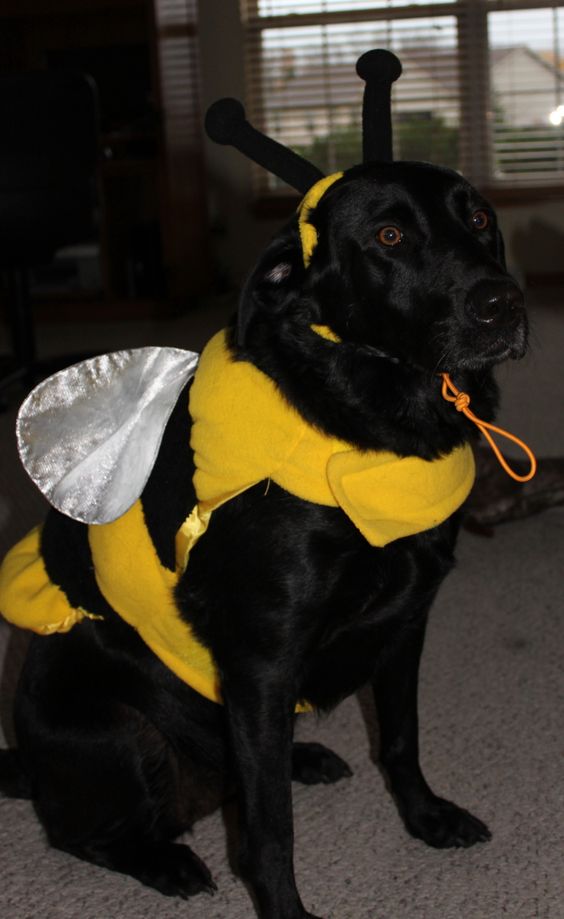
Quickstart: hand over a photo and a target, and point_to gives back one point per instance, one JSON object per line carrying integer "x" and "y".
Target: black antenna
{"x": 226, "y": 124}
{"x": 379, "y": 69}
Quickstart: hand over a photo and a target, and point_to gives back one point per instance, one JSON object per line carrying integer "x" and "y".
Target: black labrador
{"x": 120, "y": 755}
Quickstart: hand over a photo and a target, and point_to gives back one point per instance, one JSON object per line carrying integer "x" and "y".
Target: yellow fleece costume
{"x": 243, "y": 432}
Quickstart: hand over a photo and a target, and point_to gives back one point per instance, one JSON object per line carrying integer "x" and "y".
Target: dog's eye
{"x": 480, "y": 220}
{"x": 390, "y": 236}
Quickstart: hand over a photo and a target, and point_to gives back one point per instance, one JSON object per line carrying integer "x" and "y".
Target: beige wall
{"x": 534, "y": 237}
{"x": 238, "y": 235}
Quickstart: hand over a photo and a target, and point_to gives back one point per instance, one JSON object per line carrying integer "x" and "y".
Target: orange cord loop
{"x": 461, "y": 402}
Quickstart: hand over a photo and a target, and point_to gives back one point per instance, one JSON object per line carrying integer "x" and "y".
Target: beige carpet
{"x": 492, "y": 713}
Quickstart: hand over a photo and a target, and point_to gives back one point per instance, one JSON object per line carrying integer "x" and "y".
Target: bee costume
{"x": 90, "y": 435}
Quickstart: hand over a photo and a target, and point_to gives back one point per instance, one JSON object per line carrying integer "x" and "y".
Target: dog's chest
{"x": 300, "y": 581}
{"x": 379, "y": 595}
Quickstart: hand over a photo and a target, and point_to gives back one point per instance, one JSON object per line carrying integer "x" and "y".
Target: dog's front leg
{"x": 260, "y": 720}
{"x": 438, "y": 822}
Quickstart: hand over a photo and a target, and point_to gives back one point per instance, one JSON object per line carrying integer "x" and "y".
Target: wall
{"x": 238, "y": 235}
{"x": 534, "y": 239}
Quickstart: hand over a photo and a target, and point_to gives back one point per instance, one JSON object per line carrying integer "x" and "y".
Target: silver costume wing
{"x": 89, "y": 435}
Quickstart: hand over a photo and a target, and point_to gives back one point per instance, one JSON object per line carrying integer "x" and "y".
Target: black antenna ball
{"x": 224, "y": 119}
{"x": 378, "y": 66}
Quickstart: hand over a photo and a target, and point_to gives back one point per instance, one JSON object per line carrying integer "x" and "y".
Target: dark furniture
{"x": 154, "y": 257}
{"x": 48, "y": 158}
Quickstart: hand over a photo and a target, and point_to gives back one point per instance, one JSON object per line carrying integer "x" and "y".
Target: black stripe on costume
{"x": 68, "y": 561}
{"x": 169, "y": 494}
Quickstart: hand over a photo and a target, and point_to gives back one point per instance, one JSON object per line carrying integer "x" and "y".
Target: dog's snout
{"x": 495, "y": 301}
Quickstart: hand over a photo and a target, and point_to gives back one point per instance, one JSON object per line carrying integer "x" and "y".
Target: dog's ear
{"x": 274, "y": 282}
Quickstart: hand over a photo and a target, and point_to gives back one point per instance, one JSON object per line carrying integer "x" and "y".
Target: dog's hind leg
{"x": 108, "y": 797}
{"x": 438, "y": 822}
{"x": 106, "y": 783}
{"x": 314, "y": 764}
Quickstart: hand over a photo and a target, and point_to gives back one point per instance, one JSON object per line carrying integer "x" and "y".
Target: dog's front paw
{"x": 314, "y": 764}
{"x": 443, "y": 825}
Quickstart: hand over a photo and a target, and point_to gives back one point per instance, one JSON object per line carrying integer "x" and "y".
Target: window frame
{"x": 472, "y": 29}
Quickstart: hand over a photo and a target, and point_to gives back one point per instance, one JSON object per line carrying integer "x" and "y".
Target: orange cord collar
{"x": 461, "y": 402}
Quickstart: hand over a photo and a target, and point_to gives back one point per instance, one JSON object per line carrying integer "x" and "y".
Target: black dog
{"x": 294, "y": 603}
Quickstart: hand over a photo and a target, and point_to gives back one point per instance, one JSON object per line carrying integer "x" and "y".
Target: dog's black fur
{"x": 292, "y": 600}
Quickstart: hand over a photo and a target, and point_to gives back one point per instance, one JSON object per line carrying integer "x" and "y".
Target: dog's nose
{"x": 495, "y": 301}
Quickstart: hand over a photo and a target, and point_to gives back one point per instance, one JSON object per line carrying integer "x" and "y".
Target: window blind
{"x": 181, "y": 165}
{"x": 527, "y": 99}
{"x": 482, "y": 88}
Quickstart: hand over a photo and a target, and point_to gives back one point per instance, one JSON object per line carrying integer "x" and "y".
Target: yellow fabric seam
{"x": 308, "y": 233}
